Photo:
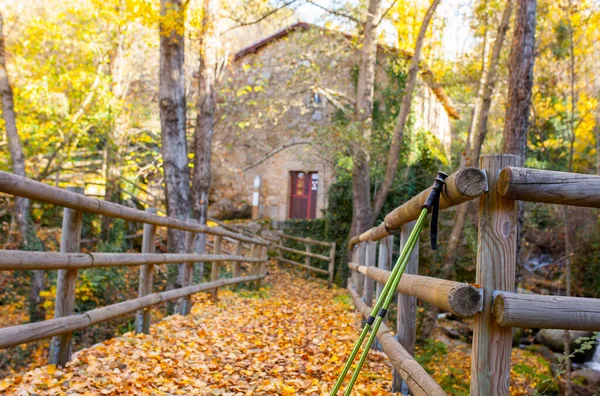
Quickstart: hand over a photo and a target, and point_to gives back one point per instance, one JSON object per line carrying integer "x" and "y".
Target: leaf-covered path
{"x": 289, "y": 339}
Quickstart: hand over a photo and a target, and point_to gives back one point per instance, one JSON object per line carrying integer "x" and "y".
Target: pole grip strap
{"x": 432, "y": 204}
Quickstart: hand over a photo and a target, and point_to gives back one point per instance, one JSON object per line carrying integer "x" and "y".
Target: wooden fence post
{"x": 236, "y": 265}
{"x": 496, "y": 262}
{"x": 214, "y": 267}
{"x": 255, "y": 253}
{"x": 279, "y": 251}
{"x": 406, "y": 319}
{"x": 385, "y": 259}
{"x": 263, "y": 266}
{"x": 61, "y": 347}
{"x": 142, "y": 324}
{"x": 370, "y": 261}
{"x": 307, "y": 260}
{"x": 188, "y": 272}
{"x": 331, "y": 265}
{"x": 358, "y": 256}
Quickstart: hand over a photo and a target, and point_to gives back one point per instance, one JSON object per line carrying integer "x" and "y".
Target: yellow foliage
{"x": 291, "y": 339}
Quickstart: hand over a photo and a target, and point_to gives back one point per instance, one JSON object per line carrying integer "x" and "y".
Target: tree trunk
{"x": 366, "y": 78}
{"x": 480, "y": 133}
{"x": 520, "y": 83}
{"x": 488, "y": 87}
{"x": 362, "y": 214}
{"x": 205, "y": 119}
{"x": 398, "y": 134}
{"x": 520, "y": 80}
{"x": 36, "y": 309}
{"x": 14, "y": 142}
{"x": 466, "y": 154}
{"x": 172, "y": 117}
{"x": 172, "y": 106}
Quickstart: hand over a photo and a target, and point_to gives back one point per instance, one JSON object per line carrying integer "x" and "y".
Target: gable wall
{"x": 266, "y": 103}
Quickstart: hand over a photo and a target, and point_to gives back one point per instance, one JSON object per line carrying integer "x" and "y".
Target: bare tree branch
{"x": 272, "y": 153}
{"x": 386, "y": 12}
{"x": 259, "y": 19}
{"x": 335, "y": 12}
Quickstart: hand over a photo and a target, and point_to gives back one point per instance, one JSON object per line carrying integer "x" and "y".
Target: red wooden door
{"x": 303, "y": 195}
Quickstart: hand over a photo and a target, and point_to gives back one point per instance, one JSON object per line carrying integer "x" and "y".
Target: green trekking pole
{"x": 380, "y": 308}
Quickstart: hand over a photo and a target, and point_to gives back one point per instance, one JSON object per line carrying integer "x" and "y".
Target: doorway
{"x": 304, "y": 187}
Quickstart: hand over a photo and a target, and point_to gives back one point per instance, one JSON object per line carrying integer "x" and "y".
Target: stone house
{"x": 273, "y": 96}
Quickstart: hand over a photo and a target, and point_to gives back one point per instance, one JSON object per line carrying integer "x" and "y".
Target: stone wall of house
{"x": 269, "y": 109}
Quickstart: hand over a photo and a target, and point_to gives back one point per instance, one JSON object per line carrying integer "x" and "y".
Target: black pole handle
{"x": 432, "y": 204}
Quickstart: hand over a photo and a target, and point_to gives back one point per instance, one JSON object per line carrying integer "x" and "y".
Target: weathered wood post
{"x": 406, "y": 319}
{"x": 214, "y": 267}
{"x": 279, "y": 251}
{"x": 370, "y": 261}
{"x": 263, "y": 265}
{"x": 236, "y": 265}
{"x": 61, "y": 347}
{"x": 384, "y": 261}
{"x": 496, "y": 262}
{"x": 185, "y": 304}
{"x": 142, "y": 322}
{"x": 307, "y": 260}
{"x": 331, "y": 269}
{"x": 358, "y": 257}
{"x": 254, "y": 253}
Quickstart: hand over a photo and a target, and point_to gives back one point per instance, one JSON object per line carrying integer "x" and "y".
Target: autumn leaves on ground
{"x": 289, "y": 338}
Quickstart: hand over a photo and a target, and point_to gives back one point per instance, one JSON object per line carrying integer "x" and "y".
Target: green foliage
{"x": 585, "y": 344}
{"x": 344, "y": 300}
{"x": 431, "y": 349}
{"x": 247, "y": 290}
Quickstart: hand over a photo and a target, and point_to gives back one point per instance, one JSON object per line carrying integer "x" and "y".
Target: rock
{"x": 452, "y": 333}
{"x": 554, "y": 339}
{"x": 225, "y": 209}
{"x": 587, "y": 377}
{"x": 253, "y": 227}
{"x": 317, "y": 116}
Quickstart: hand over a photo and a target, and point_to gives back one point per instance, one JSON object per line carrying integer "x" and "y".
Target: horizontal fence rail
{"x": 15, "y": 335}
{"x": 415, "y": 376}
{"x": 538, "y": 185}
{"x": 69, "y": 260}
{"x": 464, "y": 185}
{"x": 308, "y": 242}
{"x": 458, "y": 298}
{"x": 492, "y": 303}
{"x": 17, "y": 260}
{"x": 534, "y": 311}
{"x": 27, "y": 188}
{"x": 302, "y": 252}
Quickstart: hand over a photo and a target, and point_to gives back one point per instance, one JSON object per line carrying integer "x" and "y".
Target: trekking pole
{"x": 380, "y": 308}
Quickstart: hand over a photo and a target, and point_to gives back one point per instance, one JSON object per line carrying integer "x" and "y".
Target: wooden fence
{"x": 492, "y": 303}
{"x": 308, "y": 254}
{"x": 69, "y": 260}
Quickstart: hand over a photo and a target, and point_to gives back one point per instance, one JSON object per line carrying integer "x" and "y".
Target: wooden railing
{"x": 308, "y": 254}
{"x": 491, "y": 301}
{"x": 69, "y": 260}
